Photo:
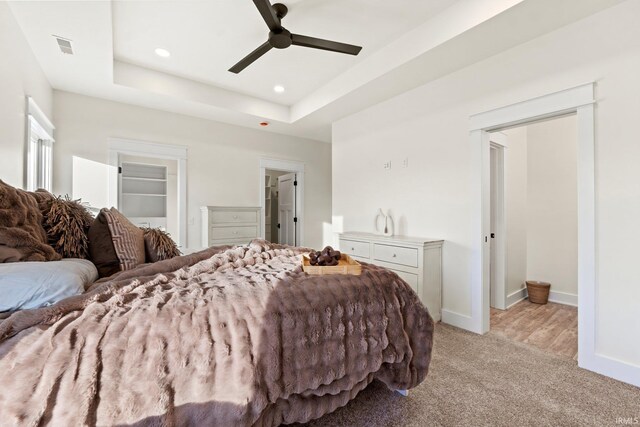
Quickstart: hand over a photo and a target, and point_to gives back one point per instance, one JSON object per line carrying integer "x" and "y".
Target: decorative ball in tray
{"x": 330, "y": 261}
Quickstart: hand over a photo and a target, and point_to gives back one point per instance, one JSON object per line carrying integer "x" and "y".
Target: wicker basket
{"x": 538, "y": 291}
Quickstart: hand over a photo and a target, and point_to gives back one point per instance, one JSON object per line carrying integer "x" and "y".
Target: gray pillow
{"x": 25, "y": 285}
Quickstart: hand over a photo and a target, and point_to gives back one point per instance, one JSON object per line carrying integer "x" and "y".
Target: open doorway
{"x": 534, "y": 233}
{"x": 271, "y": 204}
{"x": 148, "y": 192}
{"x": 282, "y": 201}
{"x": 152, "y": 153}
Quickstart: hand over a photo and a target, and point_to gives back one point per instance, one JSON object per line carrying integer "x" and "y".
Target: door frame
{"x": 498, "y": 142}
{"x": 283, "y": 166}
{"x": 130, "y": 147}
{"x": 581, "y": 101}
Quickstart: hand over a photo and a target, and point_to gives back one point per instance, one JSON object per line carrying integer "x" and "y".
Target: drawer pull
{"x": 235, "y": 232}
{"x": 353, "y": 249}
{"x": 235, "y": 217}
{"x": 394, "y": 255}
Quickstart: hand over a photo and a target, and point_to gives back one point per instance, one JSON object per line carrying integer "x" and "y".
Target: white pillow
{"x": 26, "y": 285}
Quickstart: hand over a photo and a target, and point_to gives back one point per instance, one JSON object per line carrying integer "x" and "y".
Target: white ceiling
{"x": 207, "y": 37}
{"x": 407, "y": 43}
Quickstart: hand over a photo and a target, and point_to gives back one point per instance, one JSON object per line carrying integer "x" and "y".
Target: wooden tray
{"x": 346, "y": 265}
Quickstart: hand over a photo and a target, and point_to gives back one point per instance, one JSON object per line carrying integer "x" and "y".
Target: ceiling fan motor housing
{"x": 280, "y": 39}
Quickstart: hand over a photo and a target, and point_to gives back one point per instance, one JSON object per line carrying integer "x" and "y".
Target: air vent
{"x": 64, "y": 45}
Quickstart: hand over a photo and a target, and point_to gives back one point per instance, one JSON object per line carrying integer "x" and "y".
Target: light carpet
{"x": 488, "y": 380}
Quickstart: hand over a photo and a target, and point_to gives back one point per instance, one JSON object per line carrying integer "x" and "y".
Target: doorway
{"x": 148, "y": 192}
{"x": 126, "y": 147}
{"x": 581, "y": 101}
{"x": 282, "y": 201}
{"x": 533, "y": 215}
{"x": 275, "y": 198}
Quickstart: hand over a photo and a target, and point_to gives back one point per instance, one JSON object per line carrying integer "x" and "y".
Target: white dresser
{"x": 417, "y": 261}
{"x": 229, "y": 225}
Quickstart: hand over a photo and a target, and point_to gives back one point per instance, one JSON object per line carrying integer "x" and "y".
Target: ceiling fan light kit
{"x": 281, "y": 38}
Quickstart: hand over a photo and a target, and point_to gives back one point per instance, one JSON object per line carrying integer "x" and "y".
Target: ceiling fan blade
{"x": 316, "y": 43}
{"x": 249, "y": 59}
{"x": 268, "y": 14}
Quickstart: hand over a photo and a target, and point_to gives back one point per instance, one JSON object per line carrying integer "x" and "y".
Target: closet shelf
{"x": 144, "y": 194}
{"x": 135, "y": 178}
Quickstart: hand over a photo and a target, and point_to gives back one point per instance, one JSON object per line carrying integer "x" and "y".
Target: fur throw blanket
{"x": 227, "y": 337}
{"x": 22, "y": 237}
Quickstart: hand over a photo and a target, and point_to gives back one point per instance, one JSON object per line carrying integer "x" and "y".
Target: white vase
{"x": 384, "y": 224}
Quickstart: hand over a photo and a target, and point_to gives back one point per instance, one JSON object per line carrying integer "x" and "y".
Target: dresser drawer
{"x": 355, "y": 248}
{"x": 411, "y": 279}
{"x": 396, "y": 254}
{"x": 232, "y": 217}
{"x": 249, "y": 232}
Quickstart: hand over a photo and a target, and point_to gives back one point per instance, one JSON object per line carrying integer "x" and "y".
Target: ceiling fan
{"x": 281, "y": 38}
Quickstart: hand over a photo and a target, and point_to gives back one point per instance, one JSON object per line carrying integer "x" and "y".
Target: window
{"x": 39, "y": 148}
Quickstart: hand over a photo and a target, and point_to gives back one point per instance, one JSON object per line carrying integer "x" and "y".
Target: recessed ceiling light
{"x": 278, "y": 89}
{"x": 163, "y": 53}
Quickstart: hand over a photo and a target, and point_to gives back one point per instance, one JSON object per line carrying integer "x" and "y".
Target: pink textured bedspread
{"x": 225, "y": 337}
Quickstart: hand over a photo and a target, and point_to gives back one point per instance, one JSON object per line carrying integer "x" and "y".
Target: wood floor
{"x": 551, "y": 327}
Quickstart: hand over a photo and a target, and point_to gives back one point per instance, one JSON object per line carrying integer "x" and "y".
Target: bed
{"x": 228, "y": 336}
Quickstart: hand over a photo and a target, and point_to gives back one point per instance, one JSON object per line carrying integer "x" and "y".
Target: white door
{"x": 287, "y": 221}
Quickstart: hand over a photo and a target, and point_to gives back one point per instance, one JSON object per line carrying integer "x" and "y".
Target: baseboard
{"x": 554, "y": 296}
{"x": 516, "y": 297}
{"x": 458, "y": 320}
{"x": 612, "y": 368}
{"x": 563, "y": 298}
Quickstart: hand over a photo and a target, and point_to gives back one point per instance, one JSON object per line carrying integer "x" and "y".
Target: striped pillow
{"x": 128, "y": 240}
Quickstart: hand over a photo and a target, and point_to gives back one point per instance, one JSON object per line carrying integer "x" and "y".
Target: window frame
{"x": 39, "y": 148}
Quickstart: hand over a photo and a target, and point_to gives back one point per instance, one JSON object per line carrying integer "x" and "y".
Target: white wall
{"x": 433, "y": 196}
{"x": 20, "y": 76}
{"x": 552, "y": 204}
{"x": 223, "y": 160}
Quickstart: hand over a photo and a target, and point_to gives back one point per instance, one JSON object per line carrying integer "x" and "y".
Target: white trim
{"x": 456, "y": 319}
{"x": 38, "y": 171}
{"x": 515, "y": 297}
{"x": 580, "y": 100}
{"x": 542, "y": 107}
{"x": 34, "y": 110}
{"x": 284, "y": 166}
{"x": 145, "y": 148}
{"x": 554, "y": 296}
{"x": 563, "y": 298}
{"x": 499, "y": 139}
{"x": 118, "y": 146}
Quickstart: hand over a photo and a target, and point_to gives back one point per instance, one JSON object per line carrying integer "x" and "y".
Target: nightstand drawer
{"x": 248, "y": 232}
{"x": 396, "y": 254}
{"x": 355, "y": 248}
{"x": 231, "y": 217}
